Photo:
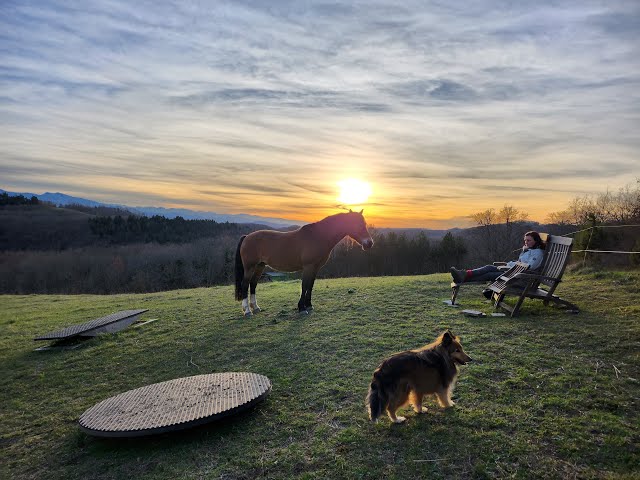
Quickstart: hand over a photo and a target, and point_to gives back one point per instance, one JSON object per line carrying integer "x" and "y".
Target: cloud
{"x": 275, "y": 98}
{"x": 183, "y": 101}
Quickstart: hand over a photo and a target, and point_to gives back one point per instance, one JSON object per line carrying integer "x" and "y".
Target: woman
{"x": 532, "y": 254}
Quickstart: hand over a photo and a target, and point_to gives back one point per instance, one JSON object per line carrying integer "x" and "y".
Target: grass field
{"x": 550, "y": 394}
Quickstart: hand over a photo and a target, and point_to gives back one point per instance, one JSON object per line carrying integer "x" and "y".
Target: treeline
{"x": 150, "y": 267}
{"x": 43, "y": 226}
{"x": 48, "y": 249}
{"x": 119, "y": 269}
{"x": 99, "y": 210}
{"x": 605, "y": 222}
{"x": 395, "y": 254}
{"x": 158, "y": 229}
{"x": 619, "y": 207}
{"x": 61, "y": 250}
{"x": 6, "y": 199}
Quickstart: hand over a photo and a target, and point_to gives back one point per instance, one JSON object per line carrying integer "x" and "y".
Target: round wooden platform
{"x": 175, "y": 404}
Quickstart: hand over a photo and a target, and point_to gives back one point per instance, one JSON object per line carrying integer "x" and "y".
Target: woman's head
{"x": 532, "y": 239}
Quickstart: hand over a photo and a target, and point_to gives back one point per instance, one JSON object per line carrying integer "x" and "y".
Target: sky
{"x": 445, "y": 109}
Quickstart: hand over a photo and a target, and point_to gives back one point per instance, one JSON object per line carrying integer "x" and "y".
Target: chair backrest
{"x": 556, "y": 257}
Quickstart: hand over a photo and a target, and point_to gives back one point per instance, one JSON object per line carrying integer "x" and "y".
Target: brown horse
{"x": 306, "y": 249}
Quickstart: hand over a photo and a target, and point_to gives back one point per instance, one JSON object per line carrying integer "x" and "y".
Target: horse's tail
{"x": 239, "y": 268}
{"x": 377, "y": 399}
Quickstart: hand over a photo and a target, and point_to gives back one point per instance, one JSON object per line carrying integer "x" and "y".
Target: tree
{"x": 563, "y": 217}
{"x": 510, "y": 215}
{"x": 488, "y": 219}
{"x": 485, "y": 218}
{"x": 607, "y": 207}
{"x": 497, "y": 236}
{"x": 450, "y": 252}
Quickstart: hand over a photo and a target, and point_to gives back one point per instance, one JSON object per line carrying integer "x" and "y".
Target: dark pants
{"x": 488, "y": 273}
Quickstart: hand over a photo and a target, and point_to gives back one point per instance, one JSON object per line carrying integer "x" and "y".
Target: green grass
{"x": 550, "y": 395}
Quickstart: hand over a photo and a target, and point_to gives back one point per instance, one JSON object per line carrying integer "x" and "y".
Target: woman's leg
{"x": 488, "y": 273}
{"x": 482, "y": 274}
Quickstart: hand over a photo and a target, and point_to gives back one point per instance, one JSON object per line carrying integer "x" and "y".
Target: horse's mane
{"x": 333, "y": 218}
{"x": 327, "y": 223}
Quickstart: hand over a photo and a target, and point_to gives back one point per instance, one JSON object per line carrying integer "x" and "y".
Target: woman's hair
{"x": 536, "y": 238}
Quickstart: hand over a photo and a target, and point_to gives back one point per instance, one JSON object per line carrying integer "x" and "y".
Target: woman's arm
{"x": 533, "y": 258}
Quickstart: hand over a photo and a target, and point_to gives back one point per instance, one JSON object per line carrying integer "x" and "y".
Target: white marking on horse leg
{"x": 245, "y": 307}
{"x": 253, "y": 303}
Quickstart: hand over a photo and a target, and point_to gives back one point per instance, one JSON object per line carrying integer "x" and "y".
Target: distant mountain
{"x": 62, "y": 199}
{"x": 218, "y": 217}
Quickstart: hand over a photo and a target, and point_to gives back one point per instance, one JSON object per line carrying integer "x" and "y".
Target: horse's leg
{"x": 308, "y": 277}
{"x": 244, "y": 288}
{"x": 301, "y": 307}
{"x": 253, "y": 304}
{"x": 307, "y": 297}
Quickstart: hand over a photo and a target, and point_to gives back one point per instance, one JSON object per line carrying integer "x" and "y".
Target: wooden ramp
{"x": 175, "y": 404}
{"x": 109, "y": 324}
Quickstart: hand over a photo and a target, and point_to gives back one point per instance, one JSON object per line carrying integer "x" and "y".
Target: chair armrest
{"x": 509, "y": 276}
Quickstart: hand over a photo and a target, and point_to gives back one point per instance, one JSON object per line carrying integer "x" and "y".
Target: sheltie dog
{"x": 406, "y": 377}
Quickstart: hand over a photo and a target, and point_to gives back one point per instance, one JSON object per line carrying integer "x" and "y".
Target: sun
{"x": 353, "y": 191}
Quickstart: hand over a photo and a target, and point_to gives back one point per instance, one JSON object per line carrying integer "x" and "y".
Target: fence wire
{"x": 587, "y": 250}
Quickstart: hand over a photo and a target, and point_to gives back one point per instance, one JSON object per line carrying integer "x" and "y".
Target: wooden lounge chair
{"x": 455, "y": 287}
{"x": 519, "y": 281}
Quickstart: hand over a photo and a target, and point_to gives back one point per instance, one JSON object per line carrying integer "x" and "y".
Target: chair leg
{"x": 516, "y": 308}
{"x": 454, "y": 294}
{"x": 500, "y": 303}
{"x": 523, "y": 295}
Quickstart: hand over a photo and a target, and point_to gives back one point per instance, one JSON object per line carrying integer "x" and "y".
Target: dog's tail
{"x": 239, "y": 270}
{"x": 377, "y": 399}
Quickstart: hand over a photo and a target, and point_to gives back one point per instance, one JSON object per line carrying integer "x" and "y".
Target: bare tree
{"x": 485, "y": 218}
{"x": 510, "y": 215}
{"x": 608, "y": 207}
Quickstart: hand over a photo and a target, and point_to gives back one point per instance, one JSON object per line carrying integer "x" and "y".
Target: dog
{"x": 406, "y": 377}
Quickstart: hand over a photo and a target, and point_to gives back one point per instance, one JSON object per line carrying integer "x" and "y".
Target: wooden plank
{"x": 108, "y": 324}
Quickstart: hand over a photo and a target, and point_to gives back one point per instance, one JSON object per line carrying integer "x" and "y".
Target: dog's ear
{"x": 447, "y": 338}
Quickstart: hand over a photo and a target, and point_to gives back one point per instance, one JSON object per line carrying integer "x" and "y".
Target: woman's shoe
{"x": 458, "y": 275}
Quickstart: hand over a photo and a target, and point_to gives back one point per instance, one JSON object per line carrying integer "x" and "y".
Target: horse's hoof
{"x": 256, "y": 309}
{"x": 303, "y": 312}
{"x": 248, "y": 314}
{"x": 310, "y": 308}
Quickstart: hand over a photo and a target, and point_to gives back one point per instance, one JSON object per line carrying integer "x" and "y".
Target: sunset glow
{"x": 353, "y": 191}
{"x": 299, "y": 113}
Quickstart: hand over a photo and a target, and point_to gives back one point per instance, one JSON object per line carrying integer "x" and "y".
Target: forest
{"x": 49, "y": 249}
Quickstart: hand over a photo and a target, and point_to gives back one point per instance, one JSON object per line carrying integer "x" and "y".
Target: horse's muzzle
{"x": 367, "y": 244}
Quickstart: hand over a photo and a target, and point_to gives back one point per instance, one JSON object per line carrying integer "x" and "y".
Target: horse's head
{"x": 358, "y": 229}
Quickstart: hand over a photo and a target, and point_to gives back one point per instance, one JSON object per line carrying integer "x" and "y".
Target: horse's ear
{"x": 361, "y": 211}
{"x": 350, "y": 211}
